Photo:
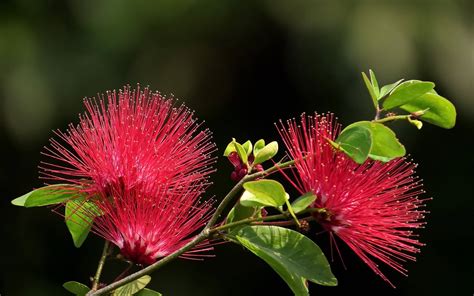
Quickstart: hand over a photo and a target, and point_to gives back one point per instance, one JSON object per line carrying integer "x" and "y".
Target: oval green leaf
{"x": 241, "y": 152}
{"x": 76, "y": 288}
{"x": 385, "y": 145}
{"x": 375, "y": 84}
{"x": 303, "y": 202}
{"x": 258, "y": 146}
{"x": 79, "y": 216}
{"x": 406, "y": 92}
{"x": 230, "y": 148}
{"x": 387, "y": 89}
{"x": 133, "y": 287}
{"x": 240, "y": 212}
{"x": 292, "y": 255}
{"x": 44, "y": 196}
{"x": 356, "y": 142}
{"x": 266, "y": 153}
{"x": 441, "y": 112}
{"x": 371, "y": 89}
{"x": 247, "y": 147}
{"x": 147, "y": 292}
{"x": 264, "y": 193}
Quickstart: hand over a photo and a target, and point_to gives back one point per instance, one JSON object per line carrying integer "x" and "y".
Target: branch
{"x": 392, "y": 118}
{"x": 204, "y": 234}
{"x": 100, "y": 266}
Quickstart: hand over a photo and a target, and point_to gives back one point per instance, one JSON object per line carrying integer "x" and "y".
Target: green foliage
{"x": 436, "y": 109}
{"x": 76, "y": 288}
{"x": 292, "y": 255}
{"x": 302, "y": 202}
{"x": 258, "y": 146}
{"x": 266, "y": 153}
{"x": 374, "y": 82}
{"x": 385, "y": 145}
{"x": 132, "y": 287}
{"x": 260, "y": 151}
{"x": 79, "y": 216}
{"x": 371, "y": 87}
{"x": 406, "y": 92}
{"x": 240, "y": 212}
{"x": 387, "y": 89}
{"x": 356, "y": 142}
{"x": 44, "y": 196}
{"x": 263, "y": 193}
{"x": 241, "y": 152}
{"x": 230, "y": 148}
{"x": 365, "y": 139}
{"x": 247, "y": 147}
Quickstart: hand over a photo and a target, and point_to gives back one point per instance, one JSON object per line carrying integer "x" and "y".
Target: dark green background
{"x": 242, "y": 65}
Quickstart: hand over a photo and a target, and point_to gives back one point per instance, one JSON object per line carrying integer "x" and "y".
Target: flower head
{"x": 372, "y": 207}
{"x": 144, "y": 162}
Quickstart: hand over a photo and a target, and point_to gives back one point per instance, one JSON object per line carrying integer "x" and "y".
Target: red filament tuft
{"x": 373, "y": 207}
{"x": 144, "y": 163}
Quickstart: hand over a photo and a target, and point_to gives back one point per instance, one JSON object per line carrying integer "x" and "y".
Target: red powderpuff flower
{"x": 372, "y": 207}
{"x": 149, "y": 223}
{"x": 144, "y": 162}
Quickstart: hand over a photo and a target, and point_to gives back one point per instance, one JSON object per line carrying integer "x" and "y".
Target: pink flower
{"x": 373, "y": 207}
{"x": 145, "y": 163}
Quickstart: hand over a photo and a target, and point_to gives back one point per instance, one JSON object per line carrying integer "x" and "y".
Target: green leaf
{"x": 302, "y": 202}
{"x": 406, "y": 92}
{"x": 371, "y": 90}
{"x": 441, "y": 112}
{"x": 241, "y": 152}
{"x": 258, "y": 146}
{"x": 79, "y": 216}
{"x": 385, "y": 145}
{"x": 147, "y": 292}
{"x": 266, "y": 153}
{"x": 240, "y": 212}
{"x": 292, "y": 255}
{"x": 44, "y": 196}
{"x": 76, "y": 288}
{"x": 355, "y": 141}
{"x": 247, "y": 147}
{"x": 20, "y": 201}
{"x": 386, "y": 89}
{"x": 133, "y": 287}
{"x": 264, "y": 193}
{"x": 230, "y": 148}
{"x": 375, "y": 84}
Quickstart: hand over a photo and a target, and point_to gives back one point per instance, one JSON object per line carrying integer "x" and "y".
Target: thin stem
{"x": 262, "y": 219}
{"x": 248, "y": 221}
{"x": 100, "y": 266}
{"x": 392, "y": 118}
{"x": 378, "y": 111}
{"x": 204, "y": 234}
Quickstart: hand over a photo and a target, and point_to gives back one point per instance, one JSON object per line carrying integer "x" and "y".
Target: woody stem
{"x": 100, "y": 266}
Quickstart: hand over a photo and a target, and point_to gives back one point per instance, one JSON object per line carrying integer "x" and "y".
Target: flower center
{"x": 329, "y": 220}
{"x": 136, "y": 251}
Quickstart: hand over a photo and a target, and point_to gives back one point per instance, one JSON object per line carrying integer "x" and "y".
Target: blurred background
{"x": 242, "y": 65}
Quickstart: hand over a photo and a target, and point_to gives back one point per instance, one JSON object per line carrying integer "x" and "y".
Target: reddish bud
{"x": 234, "y": 159}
